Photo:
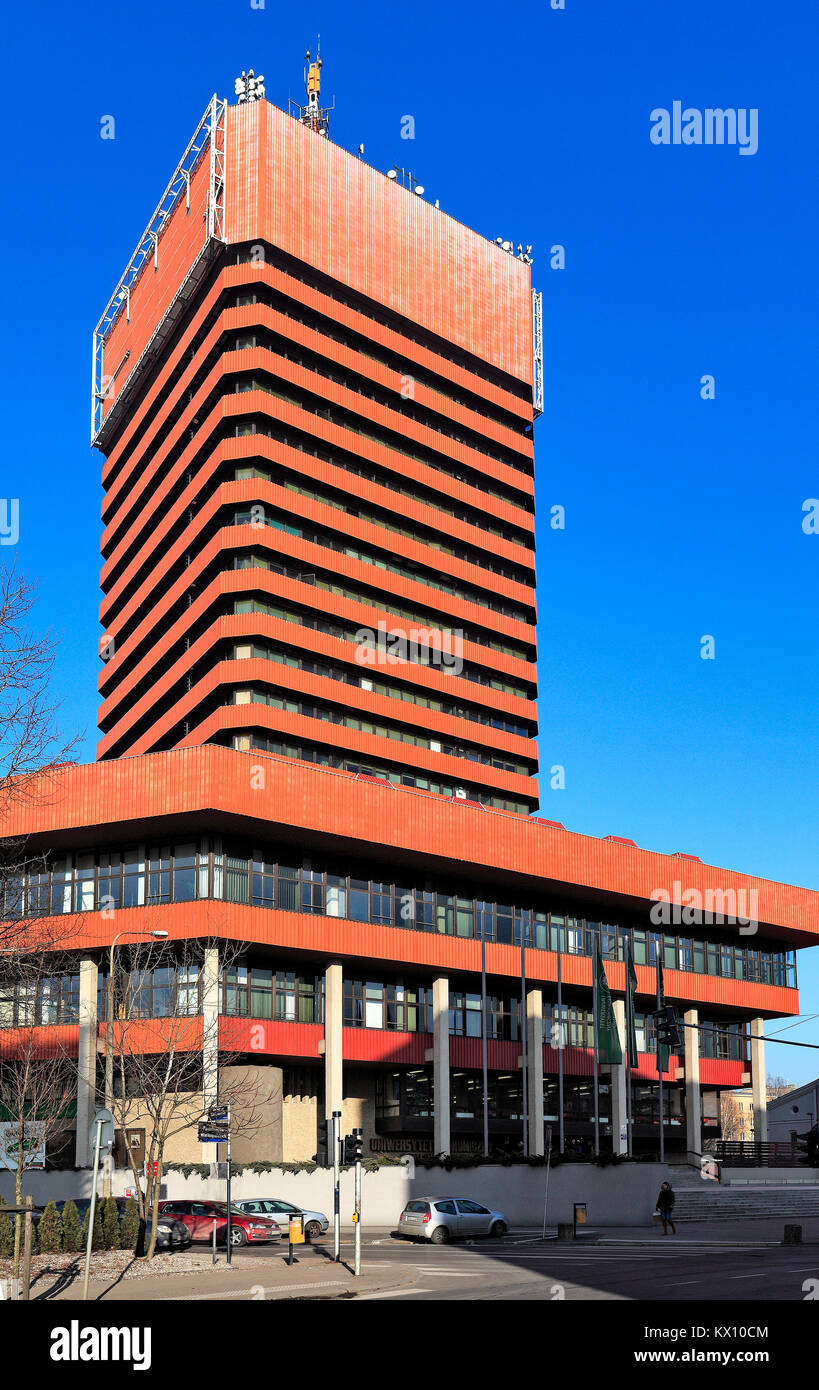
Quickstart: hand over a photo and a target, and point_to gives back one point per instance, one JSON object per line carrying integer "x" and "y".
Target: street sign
{"x": 106, "y": 1121}
{"x": 219, "y": 1114}
{"x": 212, "y": 1133}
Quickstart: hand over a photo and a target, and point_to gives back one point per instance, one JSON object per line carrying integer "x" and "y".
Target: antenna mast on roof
{"x": 313, "y": 115}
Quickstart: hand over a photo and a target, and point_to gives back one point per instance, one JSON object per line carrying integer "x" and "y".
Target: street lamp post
{"x": 109, "y": 1038}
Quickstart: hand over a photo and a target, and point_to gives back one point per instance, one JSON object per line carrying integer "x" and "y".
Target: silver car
{"x": 314, "y": 1223}
{"x": 443, "y": 1218}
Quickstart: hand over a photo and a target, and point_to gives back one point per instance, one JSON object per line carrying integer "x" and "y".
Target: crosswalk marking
{"x": 393, "y": 1293}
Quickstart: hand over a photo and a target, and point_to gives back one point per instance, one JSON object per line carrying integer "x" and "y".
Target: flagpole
{"x": 559, "y": 1046}
{"x": 484, "y": 1049}
{"x": 524, "y": 1031}
{"x": 594, "y": 1053}
{"x": 660, "y": 1058}
{"x": 629, "y": 1059}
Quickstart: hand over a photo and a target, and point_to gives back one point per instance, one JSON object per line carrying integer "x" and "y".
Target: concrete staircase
{"x": 697, "y": 1200}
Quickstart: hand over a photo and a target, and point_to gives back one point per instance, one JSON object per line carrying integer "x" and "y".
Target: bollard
{"x": 296, "y": 1236}
{"x": 793, "y": 1235}
{"x": 565, "y": 1230}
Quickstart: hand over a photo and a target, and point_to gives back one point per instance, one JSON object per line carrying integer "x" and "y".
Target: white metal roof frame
{"x": 209, "y": 134}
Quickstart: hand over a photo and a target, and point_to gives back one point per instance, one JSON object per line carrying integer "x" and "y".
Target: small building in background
{"x": 794, "y": 1115}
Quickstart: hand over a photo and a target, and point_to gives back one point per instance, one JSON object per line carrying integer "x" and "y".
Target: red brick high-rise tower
{"x": 315, "y": 399}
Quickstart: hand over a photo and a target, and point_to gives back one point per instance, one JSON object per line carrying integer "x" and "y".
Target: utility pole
{"x": 230, "y": 1229}
{"x": 357, "y": 1155}
{"x": 336, "y": 1137}
{"x": 352, "y": 1147}
{"x": 97, "y": 1124}
{"x": 524, "y": 1030}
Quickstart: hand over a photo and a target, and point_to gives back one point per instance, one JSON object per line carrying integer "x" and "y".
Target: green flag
{"x": 631, "y": 985}
{"x": 663, "y": 1052}
{"x": 607, "y": 1040}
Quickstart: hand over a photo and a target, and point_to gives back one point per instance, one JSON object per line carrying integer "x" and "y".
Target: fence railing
{"x": 735, "y": 1153}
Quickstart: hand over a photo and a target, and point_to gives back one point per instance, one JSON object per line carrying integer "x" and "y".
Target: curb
{"x": 710, "y": 1244}
{"x": 333, "y": 1288}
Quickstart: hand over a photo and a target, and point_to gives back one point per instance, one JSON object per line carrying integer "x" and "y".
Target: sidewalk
{"x": 312, "y": 1277}
{"x": 751, "y": 1231}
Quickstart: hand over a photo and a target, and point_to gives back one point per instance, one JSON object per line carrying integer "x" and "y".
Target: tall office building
{"x": 319, "y": 517}
{"x": 314, "y": 393}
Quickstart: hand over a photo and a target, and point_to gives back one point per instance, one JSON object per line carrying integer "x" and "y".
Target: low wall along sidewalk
{"x": 623, "y": 1195}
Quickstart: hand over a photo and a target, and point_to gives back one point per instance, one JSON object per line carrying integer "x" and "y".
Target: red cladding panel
{"x": 715, "y": 1071}
{"x": 334, "y": 804}
{"x": 312, "y": 199}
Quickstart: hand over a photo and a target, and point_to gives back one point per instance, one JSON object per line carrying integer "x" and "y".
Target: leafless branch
{"x": 32, "y": 745}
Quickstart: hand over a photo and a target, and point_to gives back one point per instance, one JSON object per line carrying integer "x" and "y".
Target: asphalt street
{"x": 527, "y": 1268}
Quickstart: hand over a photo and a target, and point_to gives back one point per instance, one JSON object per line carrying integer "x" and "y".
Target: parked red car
{"x": 198, "y": 1217}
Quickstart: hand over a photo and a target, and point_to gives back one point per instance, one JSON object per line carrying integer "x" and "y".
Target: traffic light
{"x": 322, "y": 1157}
{"x": 353, "y": 1147}
{"x": 670, "y": 1031}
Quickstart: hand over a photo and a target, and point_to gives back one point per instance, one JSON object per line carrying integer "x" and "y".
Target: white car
{"x": 314, "y": 1223}
{"x": 443, "y": 1218}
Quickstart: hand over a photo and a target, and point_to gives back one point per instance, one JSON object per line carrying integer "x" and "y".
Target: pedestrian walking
{"x": 665, "y": 1206}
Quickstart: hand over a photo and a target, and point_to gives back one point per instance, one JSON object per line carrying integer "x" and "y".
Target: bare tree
{"x": 731, "y": 1122}
{"x": 37, "y": 1078}
{"x": 777, "y": 1086}
{"x": 31, "y": 744}
{"x": 160, "y": 1061}
{"x": 33, "y": 754}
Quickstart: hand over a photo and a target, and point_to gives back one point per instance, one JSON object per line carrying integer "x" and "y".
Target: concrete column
{"x": 534, "y": 1062}
{"x": 693, "y": 1102}
{"x": 86, "y": 1061}
{"x": 333, "y": 1023}
{"x": 758, "y": 1080}
{"x": 440, "y": 1064}
{"x": 257, "y": 1096}
{"x": 619, "y": 1096}
{"x": 210, "y": 1040}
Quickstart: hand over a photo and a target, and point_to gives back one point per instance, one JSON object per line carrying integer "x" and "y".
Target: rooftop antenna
{"x": 249, "y": 87}
{"x": 314, "y": 115}
{"x": 406, "y": 178}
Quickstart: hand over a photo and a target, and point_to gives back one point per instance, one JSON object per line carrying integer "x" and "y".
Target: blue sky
{"x": 683, "y": 516}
